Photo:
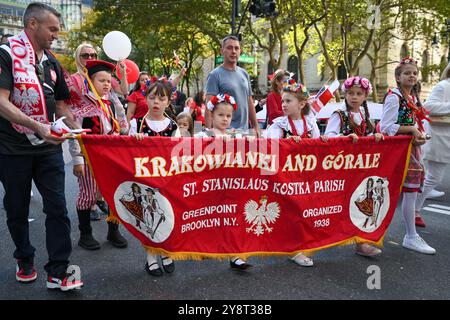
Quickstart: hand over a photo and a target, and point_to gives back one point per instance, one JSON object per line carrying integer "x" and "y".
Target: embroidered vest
{"x": 95, "y": 124}
{"x": 288, "y": 133}
{"x": 345, "y": 124}
{"x": 405, "y": 113}
{"x": 142, "y": 127}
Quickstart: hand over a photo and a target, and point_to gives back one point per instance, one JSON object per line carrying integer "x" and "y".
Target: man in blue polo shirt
{"x": 231, "y": 79}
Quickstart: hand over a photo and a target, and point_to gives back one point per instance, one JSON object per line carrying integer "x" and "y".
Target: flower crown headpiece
{"x": 290, "y": 85}
{"x": 358, "y": 82}
{"x": 214, "y": 101}
{"x": 407, "y": 60}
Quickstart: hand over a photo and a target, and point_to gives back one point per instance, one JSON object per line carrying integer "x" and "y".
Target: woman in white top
{"x": 437, "y": 150}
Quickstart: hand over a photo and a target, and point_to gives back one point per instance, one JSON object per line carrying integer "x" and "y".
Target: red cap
{"x": 95, "y": 66}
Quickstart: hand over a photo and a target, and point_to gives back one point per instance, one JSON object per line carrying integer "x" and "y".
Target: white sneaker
{"x": 302, "y": 260}
{"x": 435, "y": 194}
{"x": 416, "y": 243}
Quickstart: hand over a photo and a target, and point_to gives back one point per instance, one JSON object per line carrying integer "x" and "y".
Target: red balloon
{"x": 132, "y": 71}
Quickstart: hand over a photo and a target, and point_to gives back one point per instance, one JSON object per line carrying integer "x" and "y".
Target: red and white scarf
{"x": 27, "y": 94}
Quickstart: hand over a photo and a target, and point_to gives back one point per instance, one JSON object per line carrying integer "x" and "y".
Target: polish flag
{"x": 324, "y": 95}
{"x": 177, "y": 58}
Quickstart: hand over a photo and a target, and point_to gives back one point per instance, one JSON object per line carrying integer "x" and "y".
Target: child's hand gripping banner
{"x": 194, "y": 198}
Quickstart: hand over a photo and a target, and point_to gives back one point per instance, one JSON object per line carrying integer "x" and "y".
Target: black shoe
{"x": 155, "y": 272}
{"x": 88, "y": 242}
{"x": 103, "y": 206}
{"x": 95, "y": 215}
{"x": 169, "y": 268}
{"x": 242, "y": 267}
{"x": 115, "y": 237}
{"x": 25, "y": 271}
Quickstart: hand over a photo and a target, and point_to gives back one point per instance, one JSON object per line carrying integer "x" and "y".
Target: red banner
{"x": 193, "y": 198}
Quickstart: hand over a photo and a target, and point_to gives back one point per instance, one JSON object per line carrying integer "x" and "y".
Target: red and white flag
{"x": 324, "y": 95}
{"x": 177, "y": 58}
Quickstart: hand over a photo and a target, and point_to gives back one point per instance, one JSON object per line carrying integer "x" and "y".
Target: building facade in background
{"x": 72, "y": 12}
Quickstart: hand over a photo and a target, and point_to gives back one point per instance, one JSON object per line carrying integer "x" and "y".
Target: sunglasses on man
{"x": 88, "y": 55}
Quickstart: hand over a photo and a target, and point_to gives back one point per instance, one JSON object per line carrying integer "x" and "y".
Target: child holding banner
{"x": 154, "y": 124}
{"x": 100, "y": 117}
{"x": 222, "y": 107}
{"x": 354, "y": 121}
{"x": 295, "y": 124}
{"x": 403, "y": 114}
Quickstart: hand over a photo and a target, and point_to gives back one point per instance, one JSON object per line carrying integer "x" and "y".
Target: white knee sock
{"x": 166, "y": 260}
{"x": 238, "y": 260}
{"x": 152, "y": 259}
{"x": 408, "y": 210}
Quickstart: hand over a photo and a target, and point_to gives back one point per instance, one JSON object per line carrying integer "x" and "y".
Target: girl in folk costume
{"x": 354, "y": 121}
{"x": 155, "y": 124}
{"x": 222, "y": 107}
{"x": 295, "y": 124}
{"x": 403, "y": 114}
{"x": 98, "y": 114}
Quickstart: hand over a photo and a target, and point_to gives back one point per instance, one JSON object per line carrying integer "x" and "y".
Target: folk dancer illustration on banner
{"x": 378, "y": 199}
{"x": 365, "y": 201}
{"x": 152, "y": 212}
{"x": 133, "y": 203}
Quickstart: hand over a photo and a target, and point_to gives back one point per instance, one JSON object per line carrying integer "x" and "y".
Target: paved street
{"x": 111, "y": 273}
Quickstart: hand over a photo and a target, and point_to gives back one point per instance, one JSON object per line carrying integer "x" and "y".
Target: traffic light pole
{"x": 234, "y": 14}
{"x": 263, "y": 8}
{"x": 236, "y": 5}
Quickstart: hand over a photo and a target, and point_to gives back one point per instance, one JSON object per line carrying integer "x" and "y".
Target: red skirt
{"x": 365, "y": 206}
{"x": 416, "y": 172}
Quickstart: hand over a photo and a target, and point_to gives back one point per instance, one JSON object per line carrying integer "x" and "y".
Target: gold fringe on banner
{"x": 224, "y": 256}
{"x": 112, "y": 218}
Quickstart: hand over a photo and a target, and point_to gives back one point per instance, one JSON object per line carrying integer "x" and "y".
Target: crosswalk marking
{"x": 446, "y": 212}
{"x": 439, "y": 206}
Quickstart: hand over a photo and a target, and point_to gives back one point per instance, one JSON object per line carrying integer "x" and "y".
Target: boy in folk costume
{"x": 95, "y": 112}
{"x": 403, "y": 114}
{"x": 354, "y": 121}
{"x": 83, "y": 53}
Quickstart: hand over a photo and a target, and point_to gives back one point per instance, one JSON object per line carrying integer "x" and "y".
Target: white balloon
{"x": 116, "y": 45}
